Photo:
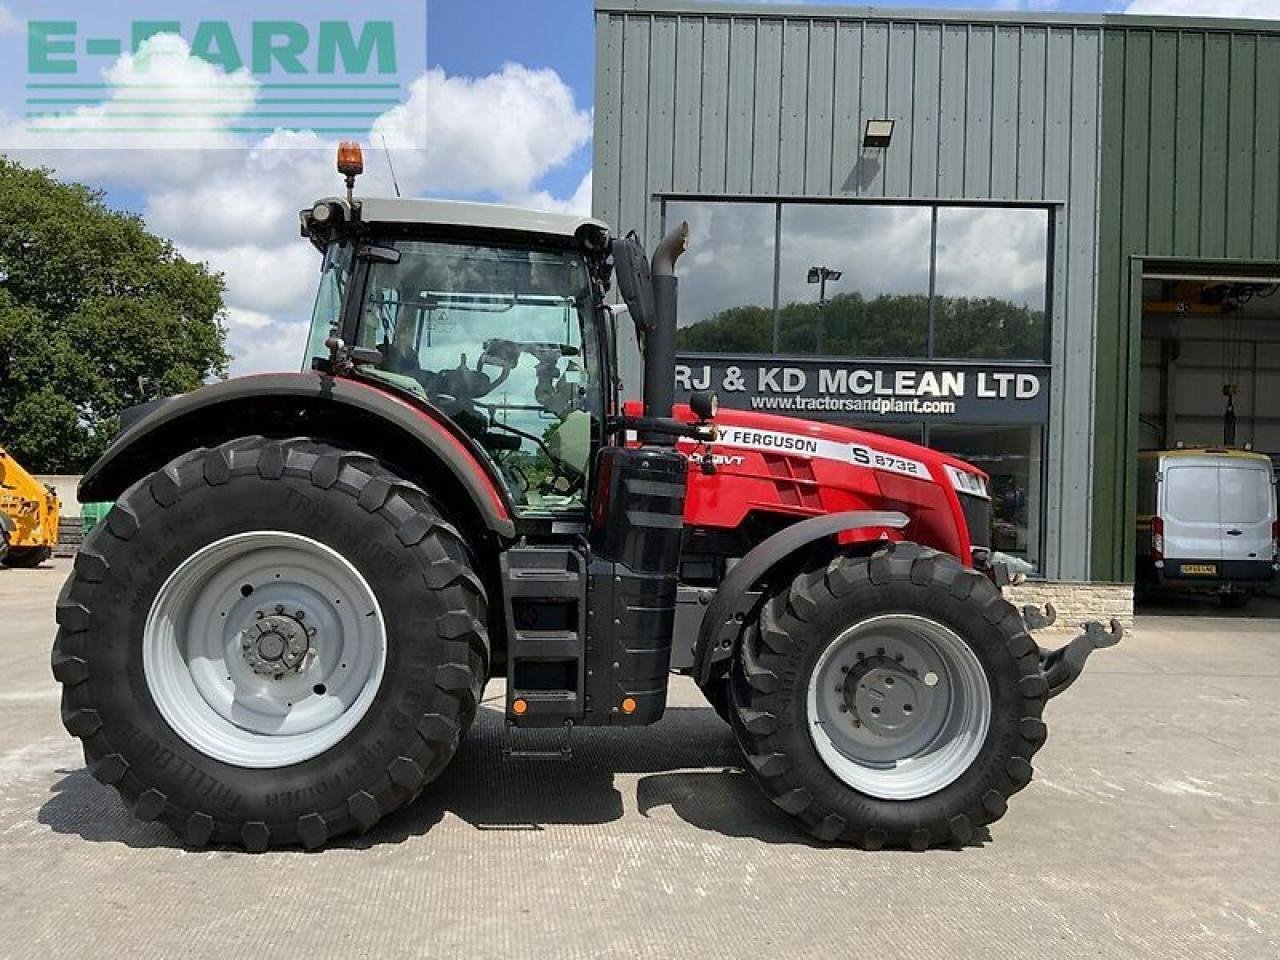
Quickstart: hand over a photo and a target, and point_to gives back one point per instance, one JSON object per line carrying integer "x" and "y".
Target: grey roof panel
{"x": 486, "y": 216}
{"x": 907, "y": 14}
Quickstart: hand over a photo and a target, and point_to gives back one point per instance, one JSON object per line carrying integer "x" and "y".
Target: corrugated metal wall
{"x": 1190, "y": 169}
{"x": 698, "y": 99}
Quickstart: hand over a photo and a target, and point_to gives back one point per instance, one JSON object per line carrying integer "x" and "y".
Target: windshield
{"x": 327, "y": 315}
{"x": 495, "y": 337}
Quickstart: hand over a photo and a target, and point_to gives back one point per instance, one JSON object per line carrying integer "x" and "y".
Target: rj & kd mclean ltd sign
{"x": 963, "y": 392}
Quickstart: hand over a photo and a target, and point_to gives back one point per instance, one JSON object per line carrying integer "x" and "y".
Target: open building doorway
{"x": 1210, "y": 383}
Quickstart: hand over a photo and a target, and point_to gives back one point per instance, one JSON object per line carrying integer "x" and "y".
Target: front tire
{"x": 937, "y": 712}
{"x": 271, "y": 643}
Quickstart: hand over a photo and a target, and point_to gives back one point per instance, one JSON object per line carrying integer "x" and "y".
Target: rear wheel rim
{"x": 898, "y": 706}
{"x": 264, "y": 649}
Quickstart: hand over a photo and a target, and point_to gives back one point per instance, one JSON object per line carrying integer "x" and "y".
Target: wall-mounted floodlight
{"x": 878, "y": 134}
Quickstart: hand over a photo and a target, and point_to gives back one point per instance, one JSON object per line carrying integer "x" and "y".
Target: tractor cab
{"x": 494, "y": 316}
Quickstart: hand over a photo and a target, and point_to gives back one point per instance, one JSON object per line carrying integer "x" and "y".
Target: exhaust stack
{"x": 660, "y": 348}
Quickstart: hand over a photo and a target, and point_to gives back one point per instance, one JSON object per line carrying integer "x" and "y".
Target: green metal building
{"x": 1082, "y": 211}
{"x": 1190, "y": 185}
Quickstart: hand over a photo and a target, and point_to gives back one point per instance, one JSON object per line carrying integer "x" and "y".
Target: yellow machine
{"x": 28, "y": 516}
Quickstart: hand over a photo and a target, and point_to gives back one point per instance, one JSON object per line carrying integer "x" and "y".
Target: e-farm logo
{"x": 218, "y": 78}
{"x": 275, "y": 44}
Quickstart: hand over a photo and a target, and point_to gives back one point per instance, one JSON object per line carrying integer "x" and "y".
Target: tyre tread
{"x": 783, "y": 619}
{"x": 420, "y": 528}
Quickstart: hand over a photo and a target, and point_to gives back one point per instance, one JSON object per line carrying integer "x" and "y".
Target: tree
{"x": 885, "y": 326}
{"x": 96, "y": 315}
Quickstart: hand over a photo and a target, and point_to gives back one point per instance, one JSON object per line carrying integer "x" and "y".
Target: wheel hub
{"x": 276, "y": 644}
{"x": 898, "y": 706}
{"x": 885, "y": 697}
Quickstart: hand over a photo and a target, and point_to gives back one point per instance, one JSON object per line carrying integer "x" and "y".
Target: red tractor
{"x": 282, "y": 629}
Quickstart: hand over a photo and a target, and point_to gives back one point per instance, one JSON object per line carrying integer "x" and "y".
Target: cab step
{"x": 546, "y": 608}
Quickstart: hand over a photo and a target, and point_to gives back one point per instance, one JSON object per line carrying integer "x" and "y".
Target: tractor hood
{"x": 779, "y": 470}
{"x": 812, "y": 439}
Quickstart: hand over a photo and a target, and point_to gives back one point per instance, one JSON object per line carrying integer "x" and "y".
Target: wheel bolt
{"x": 300, "y": 615}
{"x": 279, "y": 608}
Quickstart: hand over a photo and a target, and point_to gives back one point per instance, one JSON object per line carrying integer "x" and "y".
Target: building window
{"x": 1013, "y": 458}
{"x": 726, "y": 278}
{"x": 879, "y": 306}
{"x": 990, "y": 289}
{"x": 915, "y": 281}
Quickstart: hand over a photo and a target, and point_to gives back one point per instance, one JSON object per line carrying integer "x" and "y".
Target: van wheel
{"x": 270, "y": 643}
{"x": 889, "y": 701}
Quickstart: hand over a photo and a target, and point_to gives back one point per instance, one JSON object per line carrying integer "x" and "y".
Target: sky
{"x": 500, "y": 110}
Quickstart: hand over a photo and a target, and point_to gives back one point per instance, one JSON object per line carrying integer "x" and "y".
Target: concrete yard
{"x": 1152, "y": 829}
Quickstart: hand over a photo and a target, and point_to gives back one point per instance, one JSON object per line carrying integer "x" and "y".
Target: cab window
{"x": 503, "y": 341}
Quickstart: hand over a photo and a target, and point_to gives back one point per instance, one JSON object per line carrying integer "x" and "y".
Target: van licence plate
{"x": 1200, "y": 569}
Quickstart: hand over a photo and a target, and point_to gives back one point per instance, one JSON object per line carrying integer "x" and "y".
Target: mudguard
{"x": 722, "y": 622}
{"x": 368, "y": 418}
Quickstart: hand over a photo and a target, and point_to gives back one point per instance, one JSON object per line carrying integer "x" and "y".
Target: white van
{"x": 1207, "y": 522}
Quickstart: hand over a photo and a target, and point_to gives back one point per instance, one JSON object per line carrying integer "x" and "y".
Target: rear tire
{"x": 156, "y": 733}
{"x": 969, "y": 696}
{"x": 27, "y": 558}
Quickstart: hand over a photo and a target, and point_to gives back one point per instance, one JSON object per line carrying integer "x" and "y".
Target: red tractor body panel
{"x": 768, "y": 464}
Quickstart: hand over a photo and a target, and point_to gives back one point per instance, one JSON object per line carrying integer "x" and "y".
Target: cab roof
{"x": 480, "y": 216}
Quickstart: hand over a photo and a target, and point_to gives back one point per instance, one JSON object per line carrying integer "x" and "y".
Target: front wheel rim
{"x": 264, "y": 649}
{"x": 898, "y": 706}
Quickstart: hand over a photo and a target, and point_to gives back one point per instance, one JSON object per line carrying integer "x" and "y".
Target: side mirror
{"x": 631, "y": 267}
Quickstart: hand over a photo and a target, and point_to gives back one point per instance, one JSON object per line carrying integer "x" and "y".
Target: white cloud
{"x": 580, "y": 202}
{"x": 274, "y": 348}
{"x": 10, "y": 24}
{"x": 210, "y": 105}
{"x": 240, "y": 319}
{"x": 1263, "y": 9}
{"x": 1027, "y": 4}
{"x": 233, "y": 203}
{"x": 494, "y": 134}
{"x": 277, "y": 280}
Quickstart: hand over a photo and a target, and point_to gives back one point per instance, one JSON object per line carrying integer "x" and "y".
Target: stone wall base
{"x": 1077, "y": 602}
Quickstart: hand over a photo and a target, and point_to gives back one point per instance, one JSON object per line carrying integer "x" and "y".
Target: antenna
{"x": 390, "y": 165}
